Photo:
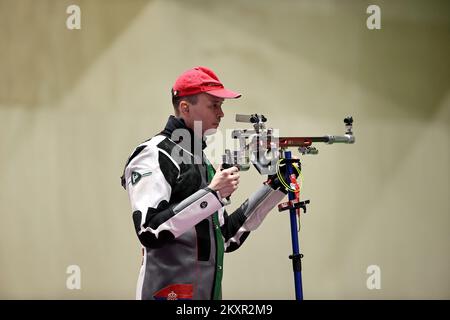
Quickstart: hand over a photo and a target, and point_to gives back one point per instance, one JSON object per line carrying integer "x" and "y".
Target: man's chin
{"x": 211, "y": 131}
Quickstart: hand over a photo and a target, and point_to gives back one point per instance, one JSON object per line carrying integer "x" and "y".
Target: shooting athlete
{"x": 176, "y": 201}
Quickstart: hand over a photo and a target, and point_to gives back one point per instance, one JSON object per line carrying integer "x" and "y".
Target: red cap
{"x": 201, "y": 79}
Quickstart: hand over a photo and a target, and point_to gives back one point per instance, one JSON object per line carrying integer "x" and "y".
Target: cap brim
{"x": 224, "y": 93}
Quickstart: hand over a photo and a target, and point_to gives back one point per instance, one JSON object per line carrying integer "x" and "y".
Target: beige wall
{"x": 73, "y": 105}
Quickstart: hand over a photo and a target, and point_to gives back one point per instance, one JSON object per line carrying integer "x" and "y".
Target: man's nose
{"x": 220, "y": 113}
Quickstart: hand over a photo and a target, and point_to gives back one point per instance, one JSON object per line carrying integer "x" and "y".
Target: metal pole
{"x": 296, "y": 256}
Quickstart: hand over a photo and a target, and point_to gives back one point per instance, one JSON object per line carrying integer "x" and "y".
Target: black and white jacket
{"x": 173, "y": 217}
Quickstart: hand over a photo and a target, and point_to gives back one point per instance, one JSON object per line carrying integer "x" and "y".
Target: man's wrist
{"x": 214, "y": 192}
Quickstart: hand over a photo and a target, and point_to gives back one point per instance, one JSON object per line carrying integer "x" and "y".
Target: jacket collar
{"x": 174, "y": 123}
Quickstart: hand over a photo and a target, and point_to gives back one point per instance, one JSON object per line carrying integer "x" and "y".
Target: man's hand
{"x": 225, "y": 181}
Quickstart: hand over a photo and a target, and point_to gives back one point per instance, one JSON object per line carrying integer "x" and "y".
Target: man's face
{"x": 208, "y": 110}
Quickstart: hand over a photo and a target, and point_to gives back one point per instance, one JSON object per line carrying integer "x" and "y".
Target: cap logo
{"x": 212, "y": 84}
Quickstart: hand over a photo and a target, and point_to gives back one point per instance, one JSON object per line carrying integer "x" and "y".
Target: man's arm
{"x": 249, "y": 216}
{"x": 150, "y": 177}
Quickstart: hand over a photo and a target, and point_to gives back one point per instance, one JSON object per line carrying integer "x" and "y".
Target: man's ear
{"x": 184, "y": 107}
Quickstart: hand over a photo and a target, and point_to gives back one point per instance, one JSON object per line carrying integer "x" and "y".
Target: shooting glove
{"x": 274, "y": 182}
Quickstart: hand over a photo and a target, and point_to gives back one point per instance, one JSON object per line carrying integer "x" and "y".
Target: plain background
{"x": 75, "y": 103}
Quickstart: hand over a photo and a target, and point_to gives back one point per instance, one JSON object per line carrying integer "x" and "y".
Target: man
{"x": 176, "y": 197}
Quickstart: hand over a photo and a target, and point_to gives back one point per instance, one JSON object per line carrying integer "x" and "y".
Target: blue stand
{"x": 296, "y": 256}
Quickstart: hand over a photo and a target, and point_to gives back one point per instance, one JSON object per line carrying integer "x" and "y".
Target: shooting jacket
{"x": 182, "y": 225}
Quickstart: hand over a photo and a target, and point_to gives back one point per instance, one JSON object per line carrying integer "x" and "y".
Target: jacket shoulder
{"x": 155, "y": 152}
